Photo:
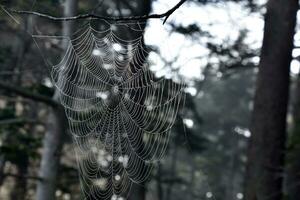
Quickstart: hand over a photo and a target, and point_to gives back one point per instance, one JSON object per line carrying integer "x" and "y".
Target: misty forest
{"x": 149, "y": 100}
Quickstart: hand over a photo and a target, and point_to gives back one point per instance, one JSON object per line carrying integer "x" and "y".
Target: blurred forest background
{"x": 238, "y": 136}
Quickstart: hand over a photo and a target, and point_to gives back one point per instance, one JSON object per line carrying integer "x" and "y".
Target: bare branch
{"x": 19, "y": 121}
{"x": 164, "y": 15}
{"x": 22, "y": 92}
{"x": 21, "y": 176}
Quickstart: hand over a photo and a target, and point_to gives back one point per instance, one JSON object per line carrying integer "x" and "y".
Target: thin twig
{"x": 23, "y": 176}
{"x": 164, "y": 15}
{"x": 19, "y": 121}
{"x": 24, "y": 93}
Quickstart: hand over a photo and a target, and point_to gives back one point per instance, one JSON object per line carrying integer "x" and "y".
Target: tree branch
{"x": 165, "y": 15}
{"x": 21, "y": 176}
{"x": 19, "y": 121}
{"x": 22, "y": 92}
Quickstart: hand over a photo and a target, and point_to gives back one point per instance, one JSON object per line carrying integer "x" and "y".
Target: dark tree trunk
{"x": 267, "y": 143}
{"x": 160, "y": 193}
{"x": 20, "y": 187}
{"x": 172, "y": 172}
{"x": 2, "y": 165}
{"x": 21, "y": 182}
{"x": 293, "y": 159}
{"x": 138, "y": 192}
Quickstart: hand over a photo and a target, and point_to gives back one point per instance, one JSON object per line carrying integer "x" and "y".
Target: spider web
{"x": 119, "y": 113}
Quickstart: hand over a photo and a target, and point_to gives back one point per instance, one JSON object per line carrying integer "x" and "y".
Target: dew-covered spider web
{"x": 120, "y": 114}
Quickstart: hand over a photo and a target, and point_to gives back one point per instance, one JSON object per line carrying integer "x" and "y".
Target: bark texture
{"x": 267, "y": 143}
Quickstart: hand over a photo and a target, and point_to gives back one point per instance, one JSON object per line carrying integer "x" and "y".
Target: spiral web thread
{"x": 119, "y": 113}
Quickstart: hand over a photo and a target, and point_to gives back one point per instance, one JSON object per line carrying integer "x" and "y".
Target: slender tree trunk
{"x": 19, "y": 191}
{"x": 70, "y": 9}
{"x": 267, "y": 143}
{"x": 2, "y": 165}
{"x": 56, "y": 128}
{"x": 293, "y": 159}
{"x": 160, "y": 193}
{"x": 172, "y": 172}
{"x": 3, "y": 161}
{"x": 138, "y": 192}
{"x": 232, "y": 170}
{"x": 192, "y": 178}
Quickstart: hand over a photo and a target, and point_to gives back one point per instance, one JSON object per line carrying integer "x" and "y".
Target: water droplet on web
{"x": 96, "y": 52}
{"x": 239, "y": 195}
{"x": 209, "y": 195}
{"x": 120, "y": 159}
{"x": 117, "y": 177}
{"x": 125, "y": 161}
{"x": 117, "y": 47}
{"x": 109, "y": 158}
{"x": 107, "y": 66}
{"x": 126, "y": 96}
{"x": 149, "y": 107}
{"x": 115, "y": 89}
{"x": 114, "y": 197}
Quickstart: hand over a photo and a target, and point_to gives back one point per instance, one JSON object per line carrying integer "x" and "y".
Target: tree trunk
{"x": 138, "y": 192}
{"x": 293, "y": 161}
{"x": 159, "y": 188}
{"x": 2, "y": 165}
{"x": 52, "y": 145}
{"x": 56, "y": 128}
{"x": 267, "y": 143}
{"x": 20, "y": 188}
{"x": 172, "y": 171}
